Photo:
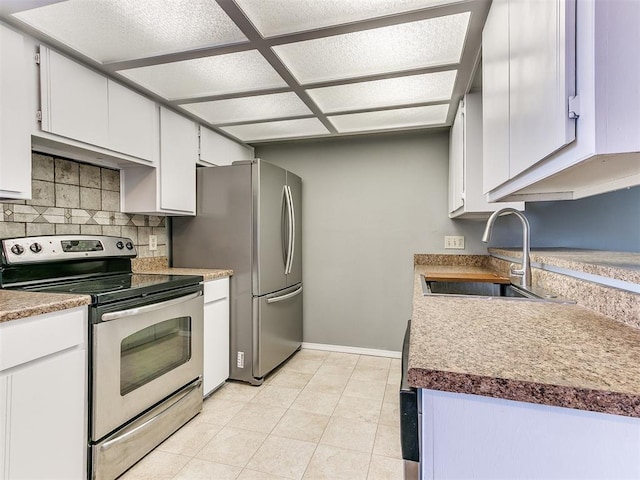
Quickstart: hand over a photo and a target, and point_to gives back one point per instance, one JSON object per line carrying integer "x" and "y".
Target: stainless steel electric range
{"x": 145, "y": 339}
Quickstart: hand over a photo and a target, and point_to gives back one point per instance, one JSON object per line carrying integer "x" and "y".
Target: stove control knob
{"x": 35, "y": 247}
{"x": 120, "y": 245}
{"x": 129, "y": 246}
{"x": 17, "y": 249}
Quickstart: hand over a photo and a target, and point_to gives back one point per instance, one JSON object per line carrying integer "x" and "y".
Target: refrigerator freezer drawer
{"x": 278, "y": 329}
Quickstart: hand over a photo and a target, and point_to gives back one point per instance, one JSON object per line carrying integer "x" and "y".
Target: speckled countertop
{"x": 15, "y": 304}
{"x": 160, "y": 265}
{"x": 206, "y": 273}
{"x": 619, "y": 265}
{"x": 546, "y": 353}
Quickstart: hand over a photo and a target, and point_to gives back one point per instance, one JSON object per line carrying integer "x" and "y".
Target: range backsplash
{"x": 70, "y": 197}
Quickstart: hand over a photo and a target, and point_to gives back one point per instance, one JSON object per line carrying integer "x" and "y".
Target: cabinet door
{"x": 495, "y": 96}
{"x": 216, "y": 149}
{"x": 216, "y": 343}
{"x": 74, "y": 99}
{"x": 133, "y": 123}
{"x": 15, "y": 141}
{"x": 178, "y": 155}
{"x": 541, "y": 79}
{"x": 47, "y": 418}
{"x": 4, "y": 426}
{"x": 456, "y": 161}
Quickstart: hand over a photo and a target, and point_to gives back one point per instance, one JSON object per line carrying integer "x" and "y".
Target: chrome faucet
{"x": 525, "y": 271}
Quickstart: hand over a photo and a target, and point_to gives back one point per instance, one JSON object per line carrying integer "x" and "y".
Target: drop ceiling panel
{"x": 306, "y": 127}
{"x": 425, "y": 43}
{"x": 259, "y": 107}
{"x": 201, "y": 77}
{"x": 117, "y": 30}
{"x": 391, "y": 119}
{"x": 278, "y": 17}
{"x": 430, "y": 87}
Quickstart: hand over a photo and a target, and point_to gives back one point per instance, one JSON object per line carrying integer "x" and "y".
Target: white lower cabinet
{"x": 43, "y": 397}
{"x": 471, "y": 436}
{"x": 216, "y": 334}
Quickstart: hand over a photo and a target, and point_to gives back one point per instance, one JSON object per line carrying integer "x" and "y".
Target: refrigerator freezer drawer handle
{"x": 285, "y": 297}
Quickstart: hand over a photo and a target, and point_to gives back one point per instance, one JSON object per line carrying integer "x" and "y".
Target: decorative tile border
{"x": 74, "y": 198}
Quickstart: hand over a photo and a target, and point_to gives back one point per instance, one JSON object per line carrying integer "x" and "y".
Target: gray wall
{"x": 610, "y": 221}
{"x": 369, "y": 204}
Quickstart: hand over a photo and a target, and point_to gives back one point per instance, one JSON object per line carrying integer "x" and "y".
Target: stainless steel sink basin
{"x": 487, "y": 290}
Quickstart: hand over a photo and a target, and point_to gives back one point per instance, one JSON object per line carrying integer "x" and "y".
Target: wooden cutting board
{"x": 466, "y": 277}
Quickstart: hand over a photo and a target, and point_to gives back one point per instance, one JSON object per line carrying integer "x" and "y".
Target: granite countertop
{"x": 160, "y": 265}
{"x": 546, "y": 353}
{"x": 618, "y": 265}
{"x": 15, "y": 305}
{"x": 206, "y": 273}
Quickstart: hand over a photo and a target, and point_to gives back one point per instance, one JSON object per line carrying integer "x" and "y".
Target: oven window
{"x": 154, "y": 351}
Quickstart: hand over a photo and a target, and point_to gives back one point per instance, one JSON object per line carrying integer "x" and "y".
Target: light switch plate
{"x": 454, "y": 241}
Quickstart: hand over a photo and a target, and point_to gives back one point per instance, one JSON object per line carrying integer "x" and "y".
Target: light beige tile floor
{"x": 322, "y": 415}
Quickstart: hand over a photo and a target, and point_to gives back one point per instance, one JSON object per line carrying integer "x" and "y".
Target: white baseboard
{"x": 356, "y": 350}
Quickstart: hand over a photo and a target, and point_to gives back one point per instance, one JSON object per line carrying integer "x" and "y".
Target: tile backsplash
{"x": 70, "y": 197}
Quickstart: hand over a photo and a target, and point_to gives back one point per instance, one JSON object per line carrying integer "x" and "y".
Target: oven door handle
{"x": 148, "y": 308}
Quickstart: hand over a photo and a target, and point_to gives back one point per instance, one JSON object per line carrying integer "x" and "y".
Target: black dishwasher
{"x": 410, "y": 415}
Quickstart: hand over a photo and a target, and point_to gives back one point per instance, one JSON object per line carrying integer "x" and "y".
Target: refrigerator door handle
{"x": 293, "y": 230}
{"x": 283, "y": 230}
{"x": 287, "y": 267}
{"x": 285, "y": 297}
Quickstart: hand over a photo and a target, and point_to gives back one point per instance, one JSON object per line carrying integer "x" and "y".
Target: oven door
{"x": 142, "y": 353}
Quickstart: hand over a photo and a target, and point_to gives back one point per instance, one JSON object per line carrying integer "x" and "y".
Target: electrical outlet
{"x": 240, "y": 360}
{"x": 454, "y": 241}
{"x": 153, "y": 242}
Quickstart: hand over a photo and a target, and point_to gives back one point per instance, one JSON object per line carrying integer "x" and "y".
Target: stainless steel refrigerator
{"x": 248, "y": 218}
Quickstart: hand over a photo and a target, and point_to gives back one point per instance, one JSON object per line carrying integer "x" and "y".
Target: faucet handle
{"x": 516, "y": 270}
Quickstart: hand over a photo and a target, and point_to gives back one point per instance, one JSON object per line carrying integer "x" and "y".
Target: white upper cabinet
{"x": 550, "y": 91}
{"x": 133, "y": 123}
{"x": 466, "y": 198}
{"x": 85, "y": 107}
{"x": 456, "y": 161}
{"x": 178, "y": 156}
{"x": 169, "y": 189}
{"x": 541, "y": 79}
{"x": 15, "y": 141}
{"x": 75, "y": 102}
{"x": 218, "y": 150}
{"x": 495, "y": 95}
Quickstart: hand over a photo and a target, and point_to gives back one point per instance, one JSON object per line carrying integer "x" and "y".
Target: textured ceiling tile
{"x": 230, "y": 73}
{"x": 426, "y": 43}
{"x": 116, "y": 30}
{"x": 278, "y": 17}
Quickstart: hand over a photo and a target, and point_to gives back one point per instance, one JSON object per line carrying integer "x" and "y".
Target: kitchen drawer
{"x": 29, "y": 339}
{"x": 216, "y": 289}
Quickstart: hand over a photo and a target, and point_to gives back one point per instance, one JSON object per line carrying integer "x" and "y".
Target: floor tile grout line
{"x": 332, "y": 415}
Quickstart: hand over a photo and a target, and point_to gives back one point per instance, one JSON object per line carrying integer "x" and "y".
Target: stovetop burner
{"x": 98, "y": 266}
{"x": 117, "y": 287}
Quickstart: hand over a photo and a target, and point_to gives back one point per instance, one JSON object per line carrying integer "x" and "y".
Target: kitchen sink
{"x": 487, "y": 290}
